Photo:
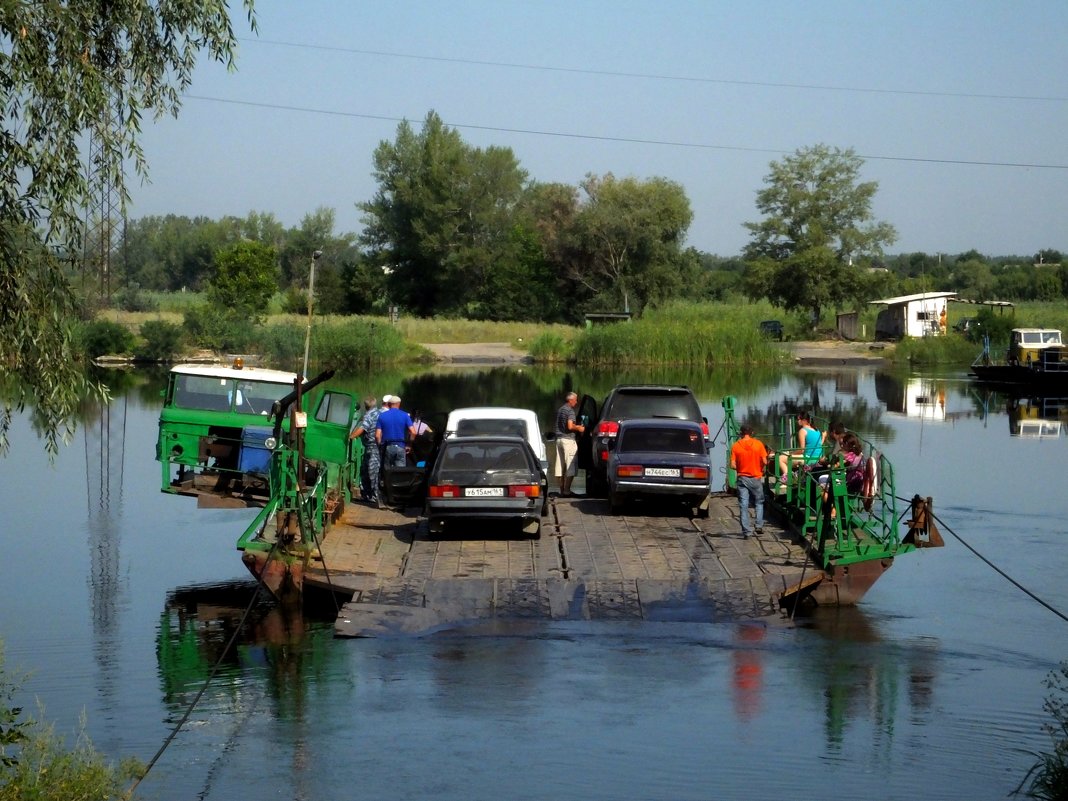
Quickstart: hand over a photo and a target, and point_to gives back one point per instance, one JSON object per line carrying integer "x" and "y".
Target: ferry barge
{"x": 297, "y": 465}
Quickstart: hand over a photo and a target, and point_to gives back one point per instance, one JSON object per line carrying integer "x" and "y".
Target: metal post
{"x": 311, "y": 301}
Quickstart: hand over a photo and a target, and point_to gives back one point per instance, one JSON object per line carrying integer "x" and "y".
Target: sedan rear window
{"x": 483, "y": 457}
{"x": 663, "y": 440}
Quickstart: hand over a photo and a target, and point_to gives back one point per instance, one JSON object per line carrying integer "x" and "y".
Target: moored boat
{"x": 1036, "y": 358}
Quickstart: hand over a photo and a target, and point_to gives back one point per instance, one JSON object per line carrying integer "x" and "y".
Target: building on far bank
{"x": 921, "y": 315}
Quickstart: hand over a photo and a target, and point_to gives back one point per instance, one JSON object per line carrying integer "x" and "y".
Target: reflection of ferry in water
{"x": 1037, "y": 418}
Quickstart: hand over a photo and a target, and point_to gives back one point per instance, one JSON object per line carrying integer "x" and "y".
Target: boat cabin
{"x": 1027, "y": 344}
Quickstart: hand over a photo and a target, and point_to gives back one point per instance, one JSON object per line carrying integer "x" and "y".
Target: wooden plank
{"x": 588, "y": 565}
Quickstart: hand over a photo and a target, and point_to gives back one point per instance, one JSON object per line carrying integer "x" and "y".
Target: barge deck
{"x": 587, "y": 565}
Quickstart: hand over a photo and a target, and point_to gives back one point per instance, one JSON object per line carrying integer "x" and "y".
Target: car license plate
{"x": 662, "y": 472}
{"x": 484, "y": 492}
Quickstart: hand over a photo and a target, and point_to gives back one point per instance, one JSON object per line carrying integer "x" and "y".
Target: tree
{"x": 65, "y": 69}
{"x": 626, "y": 240}
{"x": 442, "y": 214}
{"x": 817, "y": 232}
{"x": 246, "y": 276}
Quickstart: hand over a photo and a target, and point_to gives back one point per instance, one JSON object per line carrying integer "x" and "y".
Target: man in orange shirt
{"x": 749, "y": 458}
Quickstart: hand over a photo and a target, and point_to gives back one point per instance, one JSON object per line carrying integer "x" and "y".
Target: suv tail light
{"x": 607, "y": 428}
{"x": 704, "y": 429}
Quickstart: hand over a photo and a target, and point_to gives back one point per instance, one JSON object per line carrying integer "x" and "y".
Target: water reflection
{"x": 1029, "y": 416}
{"x": 821, "y": 395}
{"x": 104, "y": 435}
{"x": 859, "y": 675}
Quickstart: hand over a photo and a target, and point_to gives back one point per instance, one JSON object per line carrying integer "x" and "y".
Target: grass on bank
{"x": 722, "y": 334}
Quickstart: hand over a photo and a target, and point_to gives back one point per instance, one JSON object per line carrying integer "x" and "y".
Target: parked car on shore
{"x": 486, "y": 478}
{"x": 659, "y": 459}
{"x": 772, "y": 329}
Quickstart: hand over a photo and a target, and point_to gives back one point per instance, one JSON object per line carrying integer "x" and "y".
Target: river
{"x": 119, "y": 599}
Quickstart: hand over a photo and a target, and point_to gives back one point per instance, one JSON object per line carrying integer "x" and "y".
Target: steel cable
{"x": 994, "y": 567}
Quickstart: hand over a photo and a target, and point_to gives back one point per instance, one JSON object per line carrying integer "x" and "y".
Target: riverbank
{"x": 830, "y": 353}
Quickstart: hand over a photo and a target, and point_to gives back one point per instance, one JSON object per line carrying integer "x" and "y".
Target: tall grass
{"x": 682, "y": 333}
{"x": 345, "y": 344}
{"x": 951, "y": 349}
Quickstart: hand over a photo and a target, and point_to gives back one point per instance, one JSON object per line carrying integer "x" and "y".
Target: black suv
{"x": 625, "y": 402}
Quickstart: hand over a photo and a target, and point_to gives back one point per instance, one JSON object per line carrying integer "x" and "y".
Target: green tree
{"x": 817, "y": 232}
{"x": 67, "y": 68}
{"x": 441, "y": 216}
{"x": 246, "y": 276}
{"x": 626, "y": 241}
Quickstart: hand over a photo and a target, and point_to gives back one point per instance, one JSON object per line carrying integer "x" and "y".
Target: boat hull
{"x": 1021, "y": 376}
{"x": 282, "y": 576}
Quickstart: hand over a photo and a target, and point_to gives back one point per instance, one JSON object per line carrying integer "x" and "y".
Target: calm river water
{"x": 117, "y": 601}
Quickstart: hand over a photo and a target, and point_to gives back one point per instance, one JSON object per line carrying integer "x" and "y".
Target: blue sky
{"x": 578, "y": 87}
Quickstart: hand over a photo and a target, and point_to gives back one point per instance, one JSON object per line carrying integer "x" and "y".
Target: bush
{"x": 220, "y": 329}
{"x": 1048, "y": 777}
{"x": 162, "y": 340}
{"x": 133, "y": 299}
{"x": 103, "y": 337}
{"x": 35, "y": 763}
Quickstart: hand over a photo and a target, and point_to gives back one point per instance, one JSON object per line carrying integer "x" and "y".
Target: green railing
{"x": 841, "y": 527}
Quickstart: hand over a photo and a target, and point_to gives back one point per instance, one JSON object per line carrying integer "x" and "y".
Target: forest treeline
{"x": 460, "y": 231}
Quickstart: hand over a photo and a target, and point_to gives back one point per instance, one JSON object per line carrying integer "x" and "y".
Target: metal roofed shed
{"x": 918, "y": 315}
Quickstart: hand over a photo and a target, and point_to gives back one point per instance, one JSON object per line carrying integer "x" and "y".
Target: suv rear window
{"x": 663, "y": 440}
{"x": 630, "y": 403}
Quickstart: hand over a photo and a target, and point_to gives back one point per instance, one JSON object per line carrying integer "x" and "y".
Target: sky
{"x": 959, "y": 109}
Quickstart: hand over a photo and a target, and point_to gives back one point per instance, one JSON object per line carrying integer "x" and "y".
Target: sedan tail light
{"x": 630, "y": 471}
{"x": 695, "y": 472}
{"x": 524, "y": 491}
{"x": 444, "y": 491}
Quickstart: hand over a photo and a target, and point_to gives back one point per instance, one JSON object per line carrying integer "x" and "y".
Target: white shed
{"x": 921, "y": 315}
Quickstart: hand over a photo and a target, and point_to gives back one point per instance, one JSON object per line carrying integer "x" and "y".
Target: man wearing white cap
{"x": 393, "y": 430}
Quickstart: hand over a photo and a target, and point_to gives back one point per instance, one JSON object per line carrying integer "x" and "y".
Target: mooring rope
{"x": 994, "y": 567}
{"x": 215, "y": 669}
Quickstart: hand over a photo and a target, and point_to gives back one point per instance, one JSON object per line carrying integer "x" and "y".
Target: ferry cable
{"x": 995, "y": 568}
{"x": 215, "y": 669}
{"x": 1001, "y": 572}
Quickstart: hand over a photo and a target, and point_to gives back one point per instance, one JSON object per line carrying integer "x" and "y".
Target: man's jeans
{"x": 754, "y": 486}
{"x": 395, "y": 455}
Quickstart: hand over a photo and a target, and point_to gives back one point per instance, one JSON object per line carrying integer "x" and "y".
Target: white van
{"x": 491, "y": 420}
